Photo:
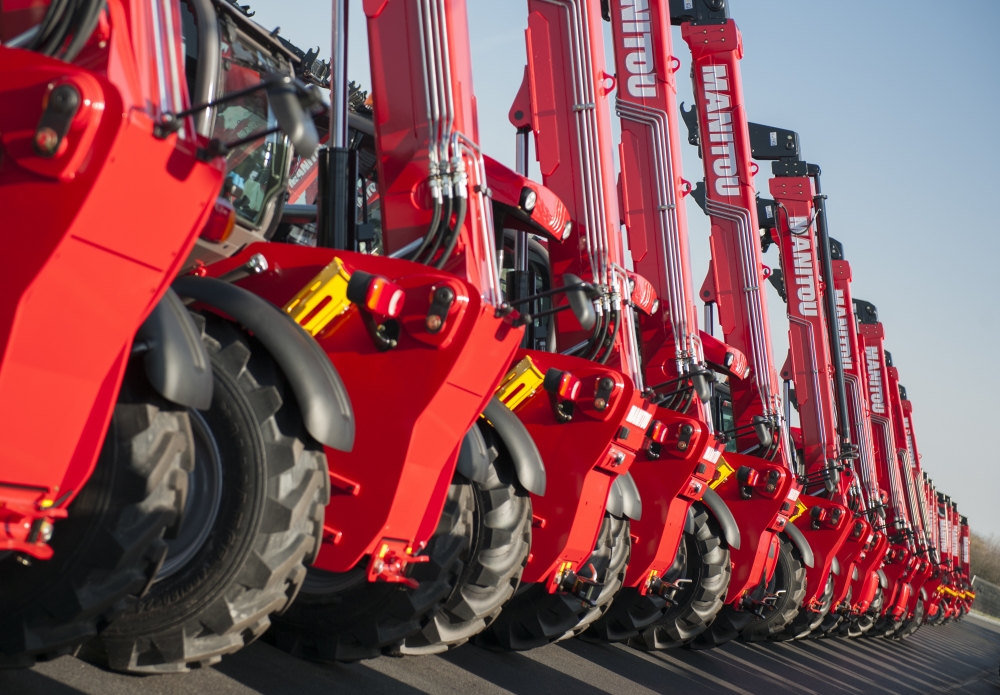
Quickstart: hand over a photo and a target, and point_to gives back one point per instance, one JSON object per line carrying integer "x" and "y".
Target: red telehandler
{"x": 866, "y": 587}
{"x": 582, "y": 396}
{"x": 679, "y": 570}
{"x": 429, "y": 529}
{"x": 902, "y": 561}
{"x": 759, "y": 482}
{"x": 97, "y": 112}
{"x": 838, "y": 533}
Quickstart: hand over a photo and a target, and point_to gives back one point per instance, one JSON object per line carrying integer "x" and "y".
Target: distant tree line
{"x": 984, "y": 557}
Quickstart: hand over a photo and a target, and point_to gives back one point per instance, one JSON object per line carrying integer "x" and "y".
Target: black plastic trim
{"x": 719, "y": 508}
{"x": 323, "y": 399}
{"x": 527, "y": 459}
{"x": 473, "y": 458}
{"x": 624, "y": 499}
{"x": 800, "y": 542}
{"x": 177, "y": 366}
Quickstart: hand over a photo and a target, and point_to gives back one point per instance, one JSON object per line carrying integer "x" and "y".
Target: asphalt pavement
{"x": 957, "y": 658}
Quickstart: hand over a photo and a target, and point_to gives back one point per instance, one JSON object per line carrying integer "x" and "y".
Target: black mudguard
{"x": 473, "y": 457}
{"x": 527, "y": 459}
{"x": 799, "y": 540}
{"x": 177, "y": 366}
{"x": 722, "y": 513}
{"x": 323, "y": 400}
{"x": 624, "y": 499}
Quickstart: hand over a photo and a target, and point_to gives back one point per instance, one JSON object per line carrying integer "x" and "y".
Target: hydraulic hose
{"x": 614, "y": 337}
{"x": 437, "y": 233}
{"x": 463, "y": 207}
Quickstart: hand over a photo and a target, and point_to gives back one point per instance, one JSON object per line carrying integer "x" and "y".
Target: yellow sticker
{"x": 800, "y": 509}
{"x": 520, "y": 383}
{"x": 722, "y": 471}
{"x": 322, "y": 300}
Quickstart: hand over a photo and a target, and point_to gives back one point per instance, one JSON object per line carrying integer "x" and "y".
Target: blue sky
{"x": 898, "y": 102}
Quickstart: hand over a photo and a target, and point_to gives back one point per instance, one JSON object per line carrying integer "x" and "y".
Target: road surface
{"x": 958, "y": 658}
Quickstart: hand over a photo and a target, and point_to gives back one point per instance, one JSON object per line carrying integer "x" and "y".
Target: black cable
{"x": 435, "y": 221}
{"x": 463, "y": 207}
{"x": 59, "y": 30}
{"x": 52, "y": 17}
{"x": 442, "y": 226}
{"x": 84, "y": 30}
{"x": 614, "y": 337}
{"x": 600, "y": 331}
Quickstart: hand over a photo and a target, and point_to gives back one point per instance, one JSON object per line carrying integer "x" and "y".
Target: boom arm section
{"x": 563, "y": 104}
{"x": 716, "y": 49}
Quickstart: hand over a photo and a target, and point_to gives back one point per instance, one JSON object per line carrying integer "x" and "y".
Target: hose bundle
{"x": 67, "y": 26}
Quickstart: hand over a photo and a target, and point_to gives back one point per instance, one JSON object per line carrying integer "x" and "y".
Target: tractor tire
{"x": 108, "y": 550}
{"x": 494, "y": 562}
{"x": 258, "y": 492}
{"x": 534, "y": 617}
{"x": 807, "y": 620}
{"x": 912, "y": 625}
{"x": 342, "y": 617}
{"x": 832, "y": 622}
{"x": 631, "y": 612}
{"x": 790, "y": 577}
{"x": 863, "y": 624}
{"x": 650, "y": 622}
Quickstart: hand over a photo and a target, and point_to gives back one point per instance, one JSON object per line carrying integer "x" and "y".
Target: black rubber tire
{"x": 631, "y": 612}
{"x": 730, "y": 622}
{"x": 938, "y": 619}
{"x": 534, "y": 617}
{"x": 790, "y": 577}
{"x": 832, "y": 622}
{"x": 610, "y": 558}
{"x": 863, "y": 624}
{"x": 494, "y": 562}
{"x": 807, "y": 620}
{"x": 341, "y": 616}
{"x": 913, "y": 624}
{"x": 650, "y": 622}
{"x": 108, "y": 550}
{"x": 274, "y": 488}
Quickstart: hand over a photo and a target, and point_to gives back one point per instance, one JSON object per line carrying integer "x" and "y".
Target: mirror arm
{"x": 549, "y": 293}
{"x": 695, "y": 371}
{"x": 523, "y": 319}
{"x": 217, "y": 148}
{"x": 171, "y": 122}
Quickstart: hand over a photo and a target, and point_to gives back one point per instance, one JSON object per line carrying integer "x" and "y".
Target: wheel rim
{"x": 203, "y": 500}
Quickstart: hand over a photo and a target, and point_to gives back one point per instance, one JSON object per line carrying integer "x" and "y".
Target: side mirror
{"x": 763, "y": 431}
{"x": 702, "y": 382}
{"x": 582, "y": 308}
{"x": 284, "y": 97}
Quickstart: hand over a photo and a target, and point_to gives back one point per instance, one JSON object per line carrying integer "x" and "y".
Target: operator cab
{"x": 256, "y": 172}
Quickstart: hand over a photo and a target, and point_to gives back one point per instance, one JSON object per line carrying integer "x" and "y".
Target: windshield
{"x": 253, "y": 170}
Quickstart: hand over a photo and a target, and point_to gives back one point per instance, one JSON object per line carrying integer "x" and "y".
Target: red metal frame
{"x": 869, "y": 560}
{"x": 735, "y": 285}
{"x": 563, "y": 101}
{"x": 415, "y": 402}
{"x": 651, "y": 191}
{"x": 810, "y": 366}
{"x": 87, "y": 247}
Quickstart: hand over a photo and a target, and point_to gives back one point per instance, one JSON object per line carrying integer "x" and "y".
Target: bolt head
{"x": 46, "y": 141}
{"x": 433, "y": 322}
